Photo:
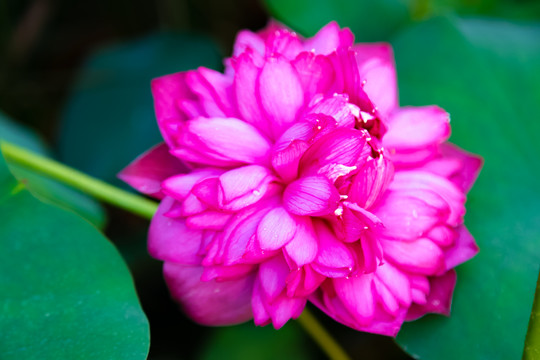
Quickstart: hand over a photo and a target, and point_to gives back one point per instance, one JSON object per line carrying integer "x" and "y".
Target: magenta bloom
{"x": 295, "y": 176}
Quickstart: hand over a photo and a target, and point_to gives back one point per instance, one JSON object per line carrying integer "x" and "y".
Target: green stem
{"x": 321, "y": 336}
{"x": 78, "y": 180}
{"x": 143, "y": 207}
{"x": 532, "y": 341}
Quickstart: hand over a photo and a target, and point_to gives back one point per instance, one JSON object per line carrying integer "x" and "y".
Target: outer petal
{"x": 222, "y": 142}
{"x": 208, "y": 220}
{"x": 457, "y": 165}
{"x": 416, "y": 180}
{"x": 147, "y": 171}
{"x": 231, "y": 246}
{"x": 214, "y": 91}
{"x": 226, "y": 273}
{"x": 348, "y": 79}
{"x": 333, "y": 259}
{"x": 439, "y": 299}
{"x": 415, "y": 132}
{"x": 356, "y": 293}
{"x": 248, "y": 40}
{"x": 210, "y": 303}
{"x": 247, "y": 97}
{"x": 420, "y": 256}
{"x": 329, "y": 38}
{"x": 315, "y": 72}
{"x": 276, "y": 229}
{"x": 167, "y": 91}
{"x": 171, "y": 240}
{"x": 365, "y": 228}
{"x": 463, "y": 249}
{"x": 386, "y": 298}
{"x": 284, "y": 42}
{"x": 303, "y": 281}
{"x": 442, "y": 235}
{"x": 243, "y": 186}
{"x": 385, "y": 325}
{"x": 261, "y": 316}
{"x": 285, "y": 308}
{"x": 396, "y": 281}
{"x": 377, "y": 69}
{"x": 382, "y": 323}
{"x": 280, "y": 310}
{"x": 179, "y": 186}
{"x": 303, "y": 247}
{"x": 281, "y": 94}
{"x": 410, "y": 215}
{"x": 206, "y": 191}
{"x": 191, "y": 205}
{"x": 272, "y": 275}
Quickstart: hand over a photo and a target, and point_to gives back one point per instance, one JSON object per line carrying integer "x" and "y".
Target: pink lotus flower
{"x": 295, "y": 176}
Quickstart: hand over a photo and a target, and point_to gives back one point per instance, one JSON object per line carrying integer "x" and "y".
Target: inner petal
{"x": 311, "y": 195}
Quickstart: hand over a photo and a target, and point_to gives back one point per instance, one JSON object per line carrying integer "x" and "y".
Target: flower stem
{"x": 321, "y": 336}
{"x": 144, "y": 208}
{"x": 78, "y": 180}
{"x": 532, "y": 341}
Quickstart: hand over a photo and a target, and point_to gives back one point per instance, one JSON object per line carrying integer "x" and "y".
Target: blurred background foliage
{"x": 75, "y": 76}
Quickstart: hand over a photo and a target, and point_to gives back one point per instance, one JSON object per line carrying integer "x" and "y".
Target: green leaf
{"x": 66, "y": 293}
{"x": 369, "y": 20}
{"x": 511, "y": 9}
{"x": 531, "y": 349}
{"x": 380, "y": 20}
{"x": 8, "y": 184}
{"x": 56, "y": 193}
{"x": 109, "y": 118}
{"x": 486, "y": 74}
{"x": 252, "y": 342}
{"x": 42, "y": 187}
